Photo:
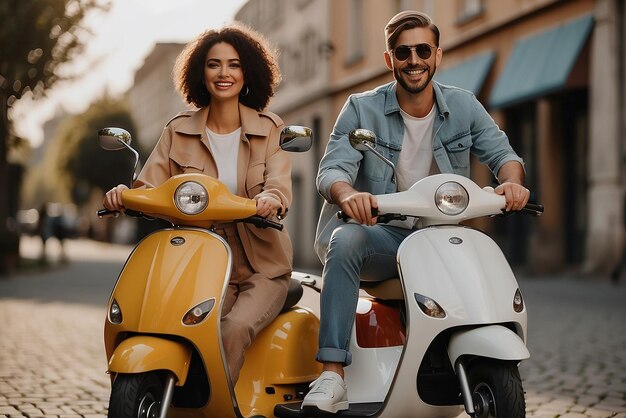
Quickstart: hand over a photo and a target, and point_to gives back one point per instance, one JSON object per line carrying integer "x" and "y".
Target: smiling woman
{"x": 229, "y": 75}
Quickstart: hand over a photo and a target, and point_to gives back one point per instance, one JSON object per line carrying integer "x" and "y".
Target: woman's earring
{"x": 246, "y": 92}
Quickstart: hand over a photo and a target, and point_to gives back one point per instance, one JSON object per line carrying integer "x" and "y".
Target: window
{"x": 402, "y": 5}
{"x": 469, "y": 9}
{"x": 355, "y": 51}
{"x": 303, "y": 3}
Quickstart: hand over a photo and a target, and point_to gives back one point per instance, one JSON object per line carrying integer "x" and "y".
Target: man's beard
{"x": 398, "y": 74}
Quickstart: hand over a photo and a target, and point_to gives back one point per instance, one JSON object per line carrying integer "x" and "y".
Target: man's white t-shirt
{"x": 225, "y": 150}
{"x": 416, "y": 157}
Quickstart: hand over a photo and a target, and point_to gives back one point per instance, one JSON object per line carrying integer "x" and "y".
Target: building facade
{"x": 550, "y": 72}
{"x": 300, "y": 30}
{"x": 153, "y": 98}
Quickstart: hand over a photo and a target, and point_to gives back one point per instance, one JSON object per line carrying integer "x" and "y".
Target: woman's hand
{"x": 113, "y": 198}
{"x": 268, "y": 206}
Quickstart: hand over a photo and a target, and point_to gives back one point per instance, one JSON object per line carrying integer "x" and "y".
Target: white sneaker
{"x": 328, "y": 393}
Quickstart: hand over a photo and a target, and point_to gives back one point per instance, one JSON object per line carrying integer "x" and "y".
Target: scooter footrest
{"x": 293, "y": 410}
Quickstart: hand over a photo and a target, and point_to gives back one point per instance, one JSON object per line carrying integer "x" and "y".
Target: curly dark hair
{"x": 258, "y": 62}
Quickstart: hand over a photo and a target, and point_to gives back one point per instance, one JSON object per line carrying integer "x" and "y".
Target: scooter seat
{"x": 390, "y": 289}
{"x": 294, "y": 293}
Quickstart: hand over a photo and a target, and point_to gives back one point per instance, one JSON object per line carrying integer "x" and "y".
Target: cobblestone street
{"x": 52, "y": 360}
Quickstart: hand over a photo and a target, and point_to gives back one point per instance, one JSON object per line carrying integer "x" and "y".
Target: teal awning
{"x": 541, "y": 64}
{"x": 469, "y": 74}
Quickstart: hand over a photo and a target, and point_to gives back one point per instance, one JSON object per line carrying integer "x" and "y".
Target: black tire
{"x": 136, "y": 396}
{"x": 496, "y": 389}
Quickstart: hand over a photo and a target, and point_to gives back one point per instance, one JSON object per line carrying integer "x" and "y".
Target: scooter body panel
{"x": 465, "y": 272}
{"x": 371, "y": 383}
{"x": 145, "y": 353}
{"x": 169, "y": 273}
{"x": 493, "y": 341}
{"x": 279, "y": 363}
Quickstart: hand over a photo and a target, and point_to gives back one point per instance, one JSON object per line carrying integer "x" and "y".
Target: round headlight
{"x": 191, "y": 198}
{"x": 451, "y": 198}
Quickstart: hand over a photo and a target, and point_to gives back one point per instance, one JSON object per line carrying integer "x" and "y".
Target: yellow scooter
{"x": 162, "y": 331}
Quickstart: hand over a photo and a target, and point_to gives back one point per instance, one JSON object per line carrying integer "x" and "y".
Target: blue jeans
{"x": 355, "y": 251}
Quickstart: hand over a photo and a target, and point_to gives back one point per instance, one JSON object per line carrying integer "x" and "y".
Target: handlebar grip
{"x": 106, "y": 212}
{"x": 114, "y": 213}
{"x": 533, "y": 209}
{"x": 261, "y": 222}
{"x": 342, "y": 216}
{"x": 275, "y": 225}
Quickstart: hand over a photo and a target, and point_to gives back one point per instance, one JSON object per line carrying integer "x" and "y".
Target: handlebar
{"x": 102, "y": 213}
{"x": 532, "y": 209}
{"x": 261, "y": 222}
{"x": 341, "y": 215}
{"x": 255, "y": 220}
{"x": 381, "y": 219}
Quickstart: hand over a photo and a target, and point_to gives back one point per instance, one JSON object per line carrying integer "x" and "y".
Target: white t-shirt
{"x": 225, "y": 149}
{"x": 416, "y": 157}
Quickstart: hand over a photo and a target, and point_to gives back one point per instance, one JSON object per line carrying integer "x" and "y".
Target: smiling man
{"x": 423, "y": 127}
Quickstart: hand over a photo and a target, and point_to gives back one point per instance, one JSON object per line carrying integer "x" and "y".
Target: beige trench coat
{"x": 263, "y": 169}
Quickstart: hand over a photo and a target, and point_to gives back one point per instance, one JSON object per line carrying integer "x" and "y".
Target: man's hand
{"x": 113, "y": 198}
{"x": 511, "y": 178}
{"x": 357, "y": 205}
{"x": 516, "y": 195}
{"x": 268, "y": 206}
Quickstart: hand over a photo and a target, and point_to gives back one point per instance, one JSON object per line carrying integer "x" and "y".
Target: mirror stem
{"x": 134, "y": 174}
{"x": 394, "y": 177}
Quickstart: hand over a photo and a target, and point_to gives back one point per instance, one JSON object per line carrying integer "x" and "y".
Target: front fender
{"x": 492, "y": 341}
{"x": 144, "y": 353}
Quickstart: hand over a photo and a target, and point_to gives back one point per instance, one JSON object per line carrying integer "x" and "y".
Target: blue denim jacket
{"x": 462, "y": 125}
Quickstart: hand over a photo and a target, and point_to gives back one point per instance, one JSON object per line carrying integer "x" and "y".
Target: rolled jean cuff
{"x": 334, "y": 355}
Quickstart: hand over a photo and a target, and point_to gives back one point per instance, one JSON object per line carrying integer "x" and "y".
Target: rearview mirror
{"x": 365, "y": 140}
{"x": 295, "y": 138}
{"x": 113, "y": 139}
{"x": 362, "y": 139}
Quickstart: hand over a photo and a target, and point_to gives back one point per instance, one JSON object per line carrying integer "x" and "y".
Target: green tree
{"x": 36, "y": 38}
{"x": 74, "y": 163}
{"x": 83, "y": 162}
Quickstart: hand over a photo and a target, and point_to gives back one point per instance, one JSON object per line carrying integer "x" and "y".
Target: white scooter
{"x": 451, "y": 330}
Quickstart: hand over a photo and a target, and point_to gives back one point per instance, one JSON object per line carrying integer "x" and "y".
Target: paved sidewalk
{"x": 577, "y": 341}
{"x": 52, "y": 361}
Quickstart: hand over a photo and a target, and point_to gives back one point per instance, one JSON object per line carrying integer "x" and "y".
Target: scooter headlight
{"x": 451, "y": 198}
{"x": 115, "y": 313}
{"x": 429, "y": 306}
{"x": 191, "y": 198}
{"x": 518, "y": 301}
{"x": 197, "y": 314}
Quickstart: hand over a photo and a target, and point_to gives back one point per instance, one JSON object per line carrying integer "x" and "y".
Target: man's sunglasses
{"x": 403, "y": 52}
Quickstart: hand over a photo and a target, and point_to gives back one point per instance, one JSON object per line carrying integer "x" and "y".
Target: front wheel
{"x": 136, "y": 396}
{"x": 497, "y": 390}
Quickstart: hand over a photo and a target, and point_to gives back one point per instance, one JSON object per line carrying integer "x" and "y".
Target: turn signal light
{"x": 518, "y": 302}
{"x": 115, "y": 313}
{"x": 197, "y": 314}
{"x": 429, "y": 306}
